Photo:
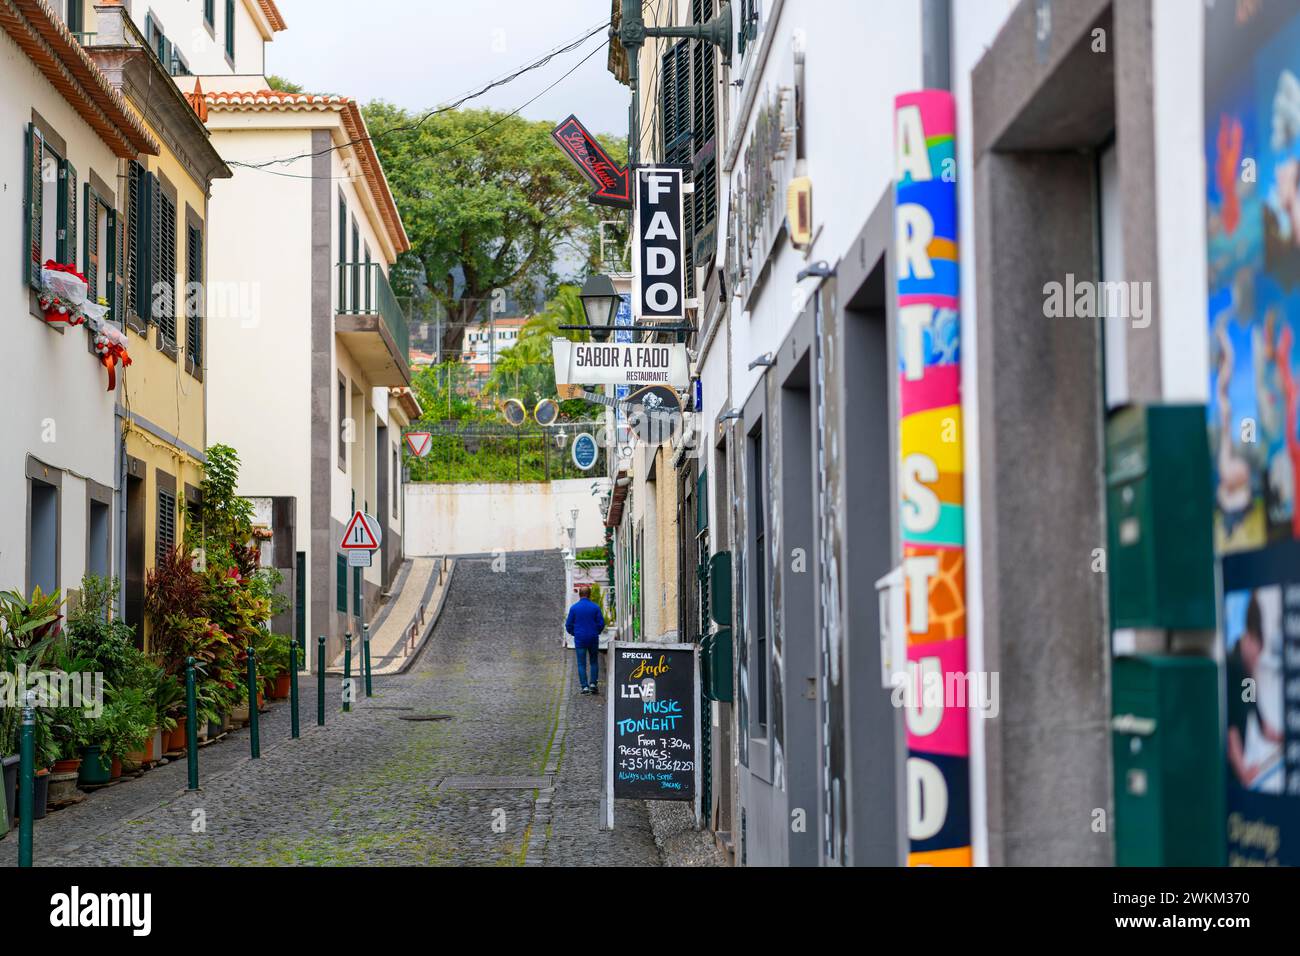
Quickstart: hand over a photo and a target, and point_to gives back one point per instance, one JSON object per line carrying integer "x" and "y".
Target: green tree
{"x": 283, "y": 85}
{"x": 485, "y": 194}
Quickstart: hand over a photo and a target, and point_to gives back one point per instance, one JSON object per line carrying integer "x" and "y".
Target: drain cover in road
{"x": 470, "y": 782}
{"x": 424, "y": 717}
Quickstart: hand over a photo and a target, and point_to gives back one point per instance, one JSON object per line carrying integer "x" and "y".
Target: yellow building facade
{"x": 161, "y": 244}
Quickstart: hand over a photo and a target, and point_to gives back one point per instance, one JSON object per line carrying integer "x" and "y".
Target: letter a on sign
{"x": 359, "y": 536}
{"x": 419, "y": 443}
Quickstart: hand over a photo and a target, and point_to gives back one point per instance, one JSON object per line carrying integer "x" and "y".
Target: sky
{"x": 420, "y": 54}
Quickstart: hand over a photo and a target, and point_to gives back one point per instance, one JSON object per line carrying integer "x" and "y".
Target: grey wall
{"x": 1041, "y": 111}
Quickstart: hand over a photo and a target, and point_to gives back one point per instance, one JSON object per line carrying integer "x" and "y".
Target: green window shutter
{"x": 702, "y": 205}
{"x": 67, "y": 248}
{"x": 193, "y": 281}
{"x": 674, "y": 102}
{"x": 166, "y": 524}
{"x": 130, "y": 241}
{"x": 230, "y": 28}
{"x": 702, "y": 501}
{"x": 112, "y": 287}
{"x": 154, "y": 271}
{"x": 341, "y": 585}
{"x": 33, "y": 193}
{"x": 167, "y": 269}
{"x": 90, "y": 240}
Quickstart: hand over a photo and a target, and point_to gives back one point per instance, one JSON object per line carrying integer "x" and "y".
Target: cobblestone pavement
{"x": 371, "y": 788}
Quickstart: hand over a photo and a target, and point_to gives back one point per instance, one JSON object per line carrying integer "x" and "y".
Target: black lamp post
{"x": 600, "y": 302}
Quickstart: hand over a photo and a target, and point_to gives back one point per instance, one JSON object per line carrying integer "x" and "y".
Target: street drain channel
{"x": 424, "y": 717}
{"x": 471, "y": 782}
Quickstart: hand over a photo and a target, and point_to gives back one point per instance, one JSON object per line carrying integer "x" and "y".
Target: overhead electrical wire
{"x": 456, "y": 104}
{"x": 460, "y": 142}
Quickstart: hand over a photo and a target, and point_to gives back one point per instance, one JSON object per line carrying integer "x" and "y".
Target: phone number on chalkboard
{"x": 649, "y": 763}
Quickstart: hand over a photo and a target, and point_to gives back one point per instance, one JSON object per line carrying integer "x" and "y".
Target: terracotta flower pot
{"x": 261, "y": 700}
{"x": 176, "y": 738}
{"x": 144, "y": 755}
{"x": 70, "y": 765}
{"x": 281, "y": 687}
{"x": 115, "y": 768}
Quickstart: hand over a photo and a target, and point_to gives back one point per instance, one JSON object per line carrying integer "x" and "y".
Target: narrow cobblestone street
{"x": 373, "y": 788}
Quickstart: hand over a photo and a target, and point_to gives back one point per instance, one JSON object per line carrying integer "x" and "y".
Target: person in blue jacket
{"x": 585, "y": 622}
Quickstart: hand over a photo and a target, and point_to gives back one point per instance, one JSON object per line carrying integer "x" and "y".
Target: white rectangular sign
{"x": 659, "y": 263}
{"x": 620, "y": 363}
{"x": 359, "y": 559}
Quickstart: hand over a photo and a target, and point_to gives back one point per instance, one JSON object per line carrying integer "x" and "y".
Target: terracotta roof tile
{"x": 272, "y": 13}
{"x": 46, "y": 41}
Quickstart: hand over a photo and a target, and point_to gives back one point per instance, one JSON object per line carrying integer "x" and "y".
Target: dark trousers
{"x": 585, "y": 653}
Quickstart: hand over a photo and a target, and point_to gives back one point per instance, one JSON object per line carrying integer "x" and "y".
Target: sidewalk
{"x": 405, "y": 622}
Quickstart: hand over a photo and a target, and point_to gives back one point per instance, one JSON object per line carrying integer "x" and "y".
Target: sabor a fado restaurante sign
{"x": 620, "y": 363}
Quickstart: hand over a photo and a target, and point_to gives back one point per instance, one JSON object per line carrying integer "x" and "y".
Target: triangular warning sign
{"x": 358, "y": 536}
{"x": 419, "y": 443}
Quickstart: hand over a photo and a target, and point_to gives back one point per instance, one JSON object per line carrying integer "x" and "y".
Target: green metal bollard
{"x": 347, "y": 672}
{"x": 253, "y": 742}
{"x": 320, "y": 680}
{"x": 191, "y": 725}
{"x": 26, "y": 781}
{"x": 293, "y": 688}
{"x": 365, "y": 654}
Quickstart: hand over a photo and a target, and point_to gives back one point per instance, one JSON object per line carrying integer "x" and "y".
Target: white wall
{"x": 259, "y": 353}
{"x": 1178, "y": 67}
{"x": 857, "y": 60}
{"x": 182, "y": 23}
{"x": 481, "y": 518}
{"x": 974, "y": 27}
{"x": 53, "y": 389}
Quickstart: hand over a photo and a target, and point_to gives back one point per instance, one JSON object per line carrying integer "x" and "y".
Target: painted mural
{"x": 931, "y": 478}
{"x": 1252, "y": 152}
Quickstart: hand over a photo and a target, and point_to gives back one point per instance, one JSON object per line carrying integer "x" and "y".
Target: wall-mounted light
{"x": 764, "y": 360}
{"x": 732, "y": 415}
{"x": 820, "y": 270}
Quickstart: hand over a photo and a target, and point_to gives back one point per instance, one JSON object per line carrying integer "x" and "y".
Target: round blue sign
{"x": 585, "y": 451}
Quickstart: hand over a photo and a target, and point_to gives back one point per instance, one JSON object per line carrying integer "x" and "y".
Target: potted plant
{"x": 273, "y": 663}
{"x": 121, "y": 728}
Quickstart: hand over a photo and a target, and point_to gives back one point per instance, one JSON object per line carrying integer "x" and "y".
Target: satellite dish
{"x": 546, "y": 412}
{"x": 514, "y": 412}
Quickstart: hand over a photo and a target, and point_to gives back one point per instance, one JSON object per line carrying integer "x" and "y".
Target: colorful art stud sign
{"x": 930, "y": 442}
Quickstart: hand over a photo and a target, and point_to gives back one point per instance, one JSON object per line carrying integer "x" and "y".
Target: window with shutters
{"x": 675, "y": 122}
{"x": 194, "y": 297}
{"x": 343, "y": 422}
{"x": 50, "y": 199}
{"x": 142, "y": 245}
{"x": 747, "y": 26}
{"x": 165, "y": 297}
{"x": 99, "y": 245}
{"x": 210, "y": 13}
{"x": 675, "y": 103}
{"x": 230, "y": 31}
{"x": 703, "y": 208}
{"x": 342, "y": 251}
{"x": 166, "y": 536}
{"x": 341, "y": 585}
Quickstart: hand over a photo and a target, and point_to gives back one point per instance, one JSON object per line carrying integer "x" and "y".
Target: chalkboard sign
{"x": 654, "y": 730}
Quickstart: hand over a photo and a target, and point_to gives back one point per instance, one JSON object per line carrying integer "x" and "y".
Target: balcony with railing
{"x": 371, "y": 324}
